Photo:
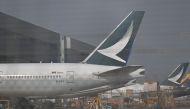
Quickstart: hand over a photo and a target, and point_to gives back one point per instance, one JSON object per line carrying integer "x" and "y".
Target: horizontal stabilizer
{"x": 132, "y": 82}
{"x": 119, "y": 71}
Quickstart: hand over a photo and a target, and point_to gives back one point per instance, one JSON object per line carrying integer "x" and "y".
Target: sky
{"x": 162, "y": 41}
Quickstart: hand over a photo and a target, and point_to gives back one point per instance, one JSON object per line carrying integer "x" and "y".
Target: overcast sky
{"x": 163, "y": 40}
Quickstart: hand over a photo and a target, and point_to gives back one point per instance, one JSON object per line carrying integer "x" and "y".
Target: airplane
{"x": 104, "y": 69}
{"x": 175, "y": 78}
{"x": 179, "y": 79}
{"x": 174, "y": 81}
{"x": 186, "y": 81}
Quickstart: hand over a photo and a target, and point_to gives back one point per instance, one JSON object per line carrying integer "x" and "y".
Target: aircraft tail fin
{"x": 115, "y": 49}
{"x": 177, "y": 75}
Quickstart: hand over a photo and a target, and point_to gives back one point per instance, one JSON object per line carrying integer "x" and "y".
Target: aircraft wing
{"x": 91, "y": 92}
{"x": 95, "y": 91}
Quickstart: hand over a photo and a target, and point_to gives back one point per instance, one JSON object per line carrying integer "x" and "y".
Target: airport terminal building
{"x": 23, "y": 42}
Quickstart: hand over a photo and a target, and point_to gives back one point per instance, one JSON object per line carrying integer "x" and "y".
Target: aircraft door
{"x": 1, "y": 78}
{"x": 70, "y": 77}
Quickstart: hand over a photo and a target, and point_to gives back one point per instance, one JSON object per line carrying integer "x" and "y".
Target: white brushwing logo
{"x": 175, "y": 78}
{"x": 113, "y": 50}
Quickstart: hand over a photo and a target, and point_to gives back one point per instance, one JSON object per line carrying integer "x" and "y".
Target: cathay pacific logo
{"x": 177, "y": 77}
{"x": 113, "y": 50}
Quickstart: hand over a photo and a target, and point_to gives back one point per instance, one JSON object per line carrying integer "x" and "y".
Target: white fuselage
{"x": 49, "y": 79}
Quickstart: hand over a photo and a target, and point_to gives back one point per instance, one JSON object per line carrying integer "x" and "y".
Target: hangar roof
{"x": 27, "y": 29}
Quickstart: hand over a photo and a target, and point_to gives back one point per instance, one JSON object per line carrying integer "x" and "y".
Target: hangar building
{"x": 23, "y": 42}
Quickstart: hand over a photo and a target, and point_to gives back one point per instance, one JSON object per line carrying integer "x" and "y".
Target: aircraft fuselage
{"x": 49, "y": 79}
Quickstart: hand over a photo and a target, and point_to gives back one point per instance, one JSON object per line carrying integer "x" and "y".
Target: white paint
{"x": 175, "y": 78}
{"x": 68, "y": 42}
{"x": 113, "y": 50}
{"x": 137, "y": 73}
